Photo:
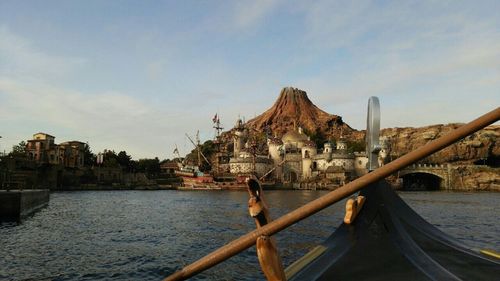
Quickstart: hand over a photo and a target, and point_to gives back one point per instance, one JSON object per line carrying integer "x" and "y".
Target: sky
{"x": 139, "y": 75}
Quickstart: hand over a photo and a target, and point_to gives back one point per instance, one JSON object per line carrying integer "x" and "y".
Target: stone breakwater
{"x": 15, "y": 205}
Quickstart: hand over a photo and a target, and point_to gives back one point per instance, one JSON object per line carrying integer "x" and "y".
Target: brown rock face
{"x": 476, "y": 178}
{"x": 481, "y": 146}
{"x": 293, "y": 108}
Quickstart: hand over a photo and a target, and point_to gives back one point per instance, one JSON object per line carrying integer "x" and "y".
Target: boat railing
{"x": 246, "y": 241}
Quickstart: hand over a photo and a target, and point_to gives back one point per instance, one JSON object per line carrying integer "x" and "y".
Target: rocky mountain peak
{"x": 292, "y": 109}
{"x": 293, "y": 94}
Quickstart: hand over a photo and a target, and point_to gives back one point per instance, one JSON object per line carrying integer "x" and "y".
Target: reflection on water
{"x": 146, "y": 235}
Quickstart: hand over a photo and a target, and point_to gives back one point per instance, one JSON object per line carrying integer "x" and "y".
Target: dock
{"x": 16, "y": 205}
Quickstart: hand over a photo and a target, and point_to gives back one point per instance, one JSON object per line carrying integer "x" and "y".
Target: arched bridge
{"x": 426, "y": 177}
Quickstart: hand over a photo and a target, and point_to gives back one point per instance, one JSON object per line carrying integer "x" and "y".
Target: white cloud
{"x": 34, "y": 98}
{"x": 106, "y": 120}
{"x": 448, "y": 55}
{"x": 19, "y": 56}
{"x": 248, "y": 14}
{"x": 415, "y": 56}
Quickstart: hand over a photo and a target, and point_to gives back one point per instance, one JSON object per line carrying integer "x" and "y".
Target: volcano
{"x": 293, "y": 109}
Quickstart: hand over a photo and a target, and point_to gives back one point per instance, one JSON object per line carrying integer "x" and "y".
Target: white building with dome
{"x": 295, "y": 158}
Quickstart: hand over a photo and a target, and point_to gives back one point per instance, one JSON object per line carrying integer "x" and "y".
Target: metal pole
{"x": 247, "y": 240}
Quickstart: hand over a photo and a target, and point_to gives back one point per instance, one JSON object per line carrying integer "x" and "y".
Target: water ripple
{"x": 147, "y": 235}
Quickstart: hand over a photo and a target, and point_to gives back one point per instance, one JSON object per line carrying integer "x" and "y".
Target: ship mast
{"x": 198, "y": 148}
{"x": 217, "y": 125}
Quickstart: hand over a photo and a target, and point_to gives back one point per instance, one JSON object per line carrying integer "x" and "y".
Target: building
{"x": 295, "y": 158}
{"x": 169, "y": 167}
{"x": 72, "y": 153}
{"x": 43, "y": 150}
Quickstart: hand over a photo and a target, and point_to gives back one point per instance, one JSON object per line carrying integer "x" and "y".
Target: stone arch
{"x": 291, "y": 176}
{"x": 423, "y": 181}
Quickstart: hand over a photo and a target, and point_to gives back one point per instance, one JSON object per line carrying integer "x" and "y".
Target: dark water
{"x": 147, "y": 235}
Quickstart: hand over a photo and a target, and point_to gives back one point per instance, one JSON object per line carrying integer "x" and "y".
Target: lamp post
{"x": 100, "y": 158}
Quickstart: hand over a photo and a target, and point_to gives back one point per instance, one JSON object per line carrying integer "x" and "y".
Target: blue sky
{"x": 137, "y": 75}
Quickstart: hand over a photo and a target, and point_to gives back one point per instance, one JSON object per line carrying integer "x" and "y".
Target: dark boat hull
{"x": 389, "y": 241}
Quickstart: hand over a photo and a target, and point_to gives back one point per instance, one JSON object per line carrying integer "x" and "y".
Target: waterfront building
{"x": 295, "y": 158}
{"x": 73, "y": 154}
{"x": 169, "y": 167}
{"x": 43, "y": 150}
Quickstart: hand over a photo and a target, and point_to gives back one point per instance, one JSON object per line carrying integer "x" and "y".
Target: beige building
{"x": 300, "y": 160}
{"x": 295, "y": 158}
{"x": 42, "y": 149}
{"x": 246, "y": 163}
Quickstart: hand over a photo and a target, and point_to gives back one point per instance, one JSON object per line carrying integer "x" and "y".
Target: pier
{"x": 16, "y": 205}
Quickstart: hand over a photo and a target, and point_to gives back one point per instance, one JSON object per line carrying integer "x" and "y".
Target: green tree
{"x": 19, "y": 150}
{"x": 208, "y": 148}
{"x": 89, "y": 158}
{"x": 151, "y": 167}
{"x": 110, "y": 159}
{"x": 356, "y": 146}
{"x": 125, "y": 161}
{"x": 318, "y": 137}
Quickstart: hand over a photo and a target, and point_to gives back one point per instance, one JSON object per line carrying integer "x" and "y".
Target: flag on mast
{"x": 215, "y": 118}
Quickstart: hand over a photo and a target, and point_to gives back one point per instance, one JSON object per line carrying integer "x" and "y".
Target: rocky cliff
{"x": 476, "y": 178}
{"x": 480, "y": 148}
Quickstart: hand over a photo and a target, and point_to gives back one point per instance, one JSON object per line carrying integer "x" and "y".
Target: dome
{"x": 294, "y": 136}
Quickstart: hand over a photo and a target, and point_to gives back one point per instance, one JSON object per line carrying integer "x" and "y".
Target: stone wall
{"x": 16, "y": 205}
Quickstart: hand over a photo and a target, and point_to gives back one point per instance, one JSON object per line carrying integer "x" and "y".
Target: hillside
{"x": 293, "y": 108}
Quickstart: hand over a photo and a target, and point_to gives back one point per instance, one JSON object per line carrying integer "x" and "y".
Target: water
{"x": 147, "y": 235}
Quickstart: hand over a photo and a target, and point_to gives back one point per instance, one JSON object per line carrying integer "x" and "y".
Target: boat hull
{"x": 389, "y": 241}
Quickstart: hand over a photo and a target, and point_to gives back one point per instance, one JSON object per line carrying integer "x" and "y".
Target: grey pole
{"x": 373, "y": 133}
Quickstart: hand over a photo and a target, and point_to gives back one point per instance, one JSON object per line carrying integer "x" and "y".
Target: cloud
{"x": 411, "y": 55}
{"x": 20, "y": 57}
{"x": 34, "y": 97}
{"x": 163, "y": 82}
{"x": 248, "y": 14}
{"x": 109, "y": 120}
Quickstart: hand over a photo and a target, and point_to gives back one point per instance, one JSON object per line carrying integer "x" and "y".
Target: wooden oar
{"x": 247, "y": 240}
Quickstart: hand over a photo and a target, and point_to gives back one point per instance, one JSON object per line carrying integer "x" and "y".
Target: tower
{"x": 308, "y": 153}
{"x": 238, "y": 137}
{"x": 275, "y": 146}
{"x": 341, "y": 144}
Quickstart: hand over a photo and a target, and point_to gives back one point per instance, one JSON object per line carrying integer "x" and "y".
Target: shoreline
{"x": 269, "y": 188}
